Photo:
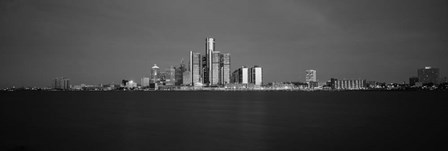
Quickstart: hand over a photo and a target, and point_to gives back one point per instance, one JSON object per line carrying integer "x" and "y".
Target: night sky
{"x": 105, "y": 41}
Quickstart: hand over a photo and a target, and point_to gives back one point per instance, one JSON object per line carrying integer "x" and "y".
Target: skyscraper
{"x": 209, "y": 48}
{"x": 155, "y": 74}
{"x": 186, "y": 78}
{"x": 428, "y": 75}
{"x": 170, "y": 76}
{"x": 256, "y": 75}
{"x": 225, "y": 68}
{"x": 179, "y": 71}
{"x": 195, "y": 68}
{"x": 215, "y": 68}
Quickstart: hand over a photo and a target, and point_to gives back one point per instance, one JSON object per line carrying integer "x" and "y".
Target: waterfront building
{"x": 310, "y": 76}
{"x": 179, "y": 71}
{"x": 145, "y": 81}
{"x": 256, "y": 75}
{"x": 209, "y": 48}
{"x": 241, "y": 75}
{"x": 155, "y": 78}
{"x": 215, "y": 68}
{"x": 350, "y": 84}
{"x": 61, "y": 83}
{"x": 169, "y": 76}
{"x": 195, "y": 68}
{"x": 186, "y": 80}
{"x": 428, "y": 75}
{"x": 225, "y": 68}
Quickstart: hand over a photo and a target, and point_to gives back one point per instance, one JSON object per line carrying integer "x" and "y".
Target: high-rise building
{"x": 209, "y": 48}
{"x": 195, "y": 68}
{"x": 428, "y": 75}
{"x": 155, "y": 74}
{"x": 310, "y": 76}
{"x": 170, "y": 76}
{"x": 241, "y": 75}
{"x": 179, "y": 71}
{"x": 186, "y": 78}
{"x": 225, "y": 68}
{"x": 215, "y": 68}
{"x": 61, "y": 83}
{"x": 256, "y": 75}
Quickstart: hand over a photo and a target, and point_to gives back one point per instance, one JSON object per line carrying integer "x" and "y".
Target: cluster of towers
{"x": 209, "y": 69}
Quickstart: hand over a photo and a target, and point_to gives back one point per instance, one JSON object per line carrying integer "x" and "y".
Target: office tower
{"x": 225, "y": 68}
{"x": 169, "y": 76}
{"x": 215, "y": 68}
{"x": 155, "y": 74}
{"x": 195, "y": 68}
{"x": 413, "y": 80}
{"x": 428, "y": 75}
{"x": 61, "y": 83}
{"x": 145, "y": 81}
{"x": 256, "y": 75}
{"x": 241, "y": 75}
{"x": 186, "y": 78}
{"x": 204, "y": 69}
{"x": 209, "y": 48}
{"x": 179, "y": 73}
{"x": 310, "y": 76}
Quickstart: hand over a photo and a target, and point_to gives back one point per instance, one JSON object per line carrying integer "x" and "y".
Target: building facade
{"x": 179, "y": 71}
{"x": 350, "y": 84}
{"x": 225, "y": 68}
{"x": 195, "y": 68}
{"x": 241, "y": 76}
{"x": 256, "y": 75}
{"x": 155, "y": 74}
{"x": 310, "y": 76}
{"x": 145, "y": 81}
{"x": 61, "y": 83}
{"x": 428, "y": 75}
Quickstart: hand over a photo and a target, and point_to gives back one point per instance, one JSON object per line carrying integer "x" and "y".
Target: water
{"x": 356, "y": 120}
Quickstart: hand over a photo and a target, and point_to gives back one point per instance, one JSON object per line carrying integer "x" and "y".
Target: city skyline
{"x": 95, "y": 42}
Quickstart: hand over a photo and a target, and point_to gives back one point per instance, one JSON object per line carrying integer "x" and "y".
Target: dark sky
{"x": 104, "y": 41}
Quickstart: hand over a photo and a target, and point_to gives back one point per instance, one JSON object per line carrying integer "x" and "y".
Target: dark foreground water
{"x": 223, "y": 121}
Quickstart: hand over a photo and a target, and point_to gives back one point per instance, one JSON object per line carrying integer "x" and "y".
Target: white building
{"x": 256, "y": 75}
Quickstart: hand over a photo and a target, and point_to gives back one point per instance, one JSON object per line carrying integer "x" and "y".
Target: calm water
{"x": 223, "y": 120}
